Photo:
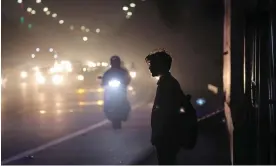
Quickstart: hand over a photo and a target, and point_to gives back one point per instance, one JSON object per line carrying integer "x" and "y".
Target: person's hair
{"x": 162, "y": 58}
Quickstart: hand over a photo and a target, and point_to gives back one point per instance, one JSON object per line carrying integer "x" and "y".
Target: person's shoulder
{"x": 171, "y": 81}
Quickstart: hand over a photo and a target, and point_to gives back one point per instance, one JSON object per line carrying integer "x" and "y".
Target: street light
{"x": 45, "y": 9}
{"x": 54, "y": 15}
{"x": 29, "y": 9}
{"x": 85, "y": 38}
{"x": 48, "y": 13}
{"x": 37, "y": 49}
{"x": 132, "y": 5}
{"x": 125, "y": 8}
{"x": 33, "y": 11}
{"x": 72, "y": 27}
{"x": 51, "y": 49}
{"x": 33, "y": 55}
{"x": 19, "y": 1}
{"x": 38, "y": 1}
{"x": 98, "y": 30}
{"x": 61, "y": 21}
{"x": 87, "y": 30}
{"x": 82, "y": 28}
{"x": 129, "y": 13}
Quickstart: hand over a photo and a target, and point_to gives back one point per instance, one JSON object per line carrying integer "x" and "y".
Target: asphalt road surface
{"x": 53, "y": 128}
{"x": 32, "y": 119}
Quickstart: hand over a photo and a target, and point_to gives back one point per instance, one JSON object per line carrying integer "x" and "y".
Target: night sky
{"x": 190, "y": 29}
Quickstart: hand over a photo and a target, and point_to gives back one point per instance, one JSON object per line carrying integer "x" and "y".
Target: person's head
{"x": 159, "y": 62}
{"x": 115, "y": 61}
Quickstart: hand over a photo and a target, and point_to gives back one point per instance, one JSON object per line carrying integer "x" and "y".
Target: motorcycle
{"x": 116, "y": 104}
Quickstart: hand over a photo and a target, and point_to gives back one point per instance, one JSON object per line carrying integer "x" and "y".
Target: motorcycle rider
{"x": 121, "y": 74}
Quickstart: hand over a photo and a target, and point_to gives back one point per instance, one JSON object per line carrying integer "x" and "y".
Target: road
{"x": 53, "y": 128}
{"x": 31, "y": 119}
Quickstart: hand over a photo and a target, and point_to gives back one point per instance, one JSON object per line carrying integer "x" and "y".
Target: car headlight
{"x": 40, "y": 79}
{"x": 23, "y": 74}
{"x": 132, "y": 74}
{"x": 80, "y": 77}
{"x": 57, "y": 79}
{"x": 114, "y": 83}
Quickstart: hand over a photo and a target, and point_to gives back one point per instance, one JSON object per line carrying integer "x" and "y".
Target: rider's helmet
{"x": 159, "y": 62}
{"x": 115, "y": 61}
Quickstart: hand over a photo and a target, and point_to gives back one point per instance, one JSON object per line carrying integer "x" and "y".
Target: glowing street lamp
{"x": 33, "y": 11}
{"x": 85, "y": 38}
{"x": 72, "y": 27}
{"x": 29, "y": 9}
{"x": 45, "y": 9}
{"x": 33, "y": 55}
{"x": 51, "y": 49}
{"x": 82, "y": 28}
{"x": 38, "y": 1}
{"x": 132, "y": 5}
{"x": 54, "y": 15}
{"x": 129, "y": 13}
{"x": 37, "y": 49}
{"x": 19, "y": 1}
{"x": 48, "y": 13}
{"x": 98, "y": 30}
{"x": 87, "y": 30}
{"x": 125, "y": 8}
{"x": 61, "y": 21}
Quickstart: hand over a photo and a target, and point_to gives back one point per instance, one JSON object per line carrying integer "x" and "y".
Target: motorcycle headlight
{"x": 114, "y": 83}
{"x": 40, "y": 79}
{"x": 57, "y": 79}
{"x": 132, "y": 74}
{"x": 80, "y": 77}
{"x": 23, "y": 74}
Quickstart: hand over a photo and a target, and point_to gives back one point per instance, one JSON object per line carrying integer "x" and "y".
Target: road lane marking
{"x": 60, "y": 140}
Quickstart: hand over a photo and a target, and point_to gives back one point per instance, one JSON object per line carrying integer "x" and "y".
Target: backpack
{"x": 187, "y": 124}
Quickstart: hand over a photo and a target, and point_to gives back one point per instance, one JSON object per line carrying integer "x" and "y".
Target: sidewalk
{"x": 212, "y": 146}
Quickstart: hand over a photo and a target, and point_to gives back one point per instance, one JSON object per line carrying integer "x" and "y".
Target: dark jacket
{"x": 165, "y": 110}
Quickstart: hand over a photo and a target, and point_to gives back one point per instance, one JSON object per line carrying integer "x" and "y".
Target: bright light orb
{"x": 129, "y": 13}
{"x": 38, "y": 1}
{"x": 19, "y": 1}
{"x": 45, "y": 9}
{"x": 125, "y": 8}
{"x": 132, "y": 5}
{"x": 54, "y": 15}
{"x": 72, "y": 27}
{"x": 51, "y": 49}
{"x": 61, "y": 21}
{"x": 33, "y": 11}
{"x": 87, "y": 30}
{"x": 37, "y": 49}
{"x": 33, "y": 55}
{"x": 82, "y": 28}
{"x": 29, "y": 9}
{"x": 85, "y": 38}
{"x": 48, "y": 13}
{"x": 98, "y": 30}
